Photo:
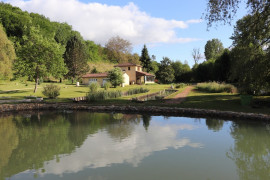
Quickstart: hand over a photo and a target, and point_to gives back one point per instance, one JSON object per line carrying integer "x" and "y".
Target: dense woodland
{"x": 34, "y": 47}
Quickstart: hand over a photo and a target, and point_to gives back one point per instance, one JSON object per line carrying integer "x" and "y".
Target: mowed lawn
{"x": 195, "y": 99}
{"x": 225, "y": 102}
{"x": 18, "y": 90}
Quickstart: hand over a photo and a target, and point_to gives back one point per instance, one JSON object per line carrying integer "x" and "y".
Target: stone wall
{"x": 152, "y": 110}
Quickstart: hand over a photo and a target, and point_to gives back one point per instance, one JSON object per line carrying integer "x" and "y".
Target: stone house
{"x": 132, "y": 74}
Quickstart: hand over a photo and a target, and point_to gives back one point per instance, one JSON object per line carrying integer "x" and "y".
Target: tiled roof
{"x": 95, "y": 75}
{"x": 126, "y": 65}
{"x": 143, "y": 74}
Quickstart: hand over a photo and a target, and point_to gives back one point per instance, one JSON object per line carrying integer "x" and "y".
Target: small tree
{"x": 196, "y": 54}
{"x": 116, "y": 77}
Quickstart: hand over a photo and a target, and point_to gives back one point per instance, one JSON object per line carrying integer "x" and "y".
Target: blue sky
{"x": 169, "y": 28}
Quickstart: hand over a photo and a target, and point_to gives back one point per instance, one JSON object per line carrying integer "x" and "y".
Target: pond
{"x": 108, "y": 146}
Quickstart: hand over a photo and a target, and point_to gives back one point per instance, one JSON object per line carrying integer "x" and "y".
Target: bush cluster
{"x": 107, "y": 85}
{"x": 93, "y": 87}
{"x": 51, "y": 91}
{"x": 214, "y": 87}
{"x": 180, "y": 85}
{"x": 103, "y": 95}
{"x": 137, "y": 91}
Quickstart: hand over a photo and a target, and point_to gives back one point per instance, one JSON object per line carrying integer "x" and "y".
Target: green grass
{"x": 18, "y": 90}
{"x": 196, "y": 99}
{"x": 223, "y": 102}
{"x": 213, "y": 87}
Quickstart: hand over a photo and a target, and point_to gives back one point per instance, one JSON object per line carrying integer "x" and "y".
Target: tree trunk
{"x": 36, "y": 84}
{"x": 60, "y": 80}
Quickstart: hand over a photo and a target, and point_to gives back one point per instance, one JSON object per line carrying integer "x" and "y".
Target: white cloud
{"x": 101, "y": 150}
{"x": 99, "y": 22}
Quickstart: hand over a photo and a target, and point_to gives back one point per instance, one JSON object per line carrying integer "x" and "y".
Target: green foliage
{"x": 94, "y": 87}
{"x": 116, "y": 77}
{"x": 214, "y": 87}
{"x": 180, "y": 85}
{"x": 7, "y": 55}
{"x": 137, "y": 91}
{"x": 213, "y": 48}
{"x": 165, "y": 73}
{"x": 182, "y": 72}
{"x": 96, "y": 53}
{"x": 94, "y": 70}
{"x": 76, "y": 57}
{"x": 51, "y": 91}
{"x": 107, "y": 85}
{"x": 145, "y": 59}
{"x": 39, "y": 57}
{"x": 250, "y": 57}
{"x": 103, "y": 95}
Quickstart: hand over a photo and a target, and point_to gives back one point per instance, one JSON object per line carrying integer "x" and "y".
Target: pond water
{"x": 107, "y": 146}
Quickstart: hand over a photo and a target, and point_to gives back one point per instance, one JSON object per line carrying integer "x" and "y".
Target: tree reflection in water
{"x": 30, "y": 140}
{"x": 251, "y": 151}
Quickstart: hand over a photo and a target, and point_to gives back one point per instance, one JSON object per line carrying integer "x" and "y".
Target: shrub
{"x": 103, "y": 95}
{"x": 180, "y": 85}
{"x": 214, "y": 87}
{"x": 137, "y": 91}
{"x": 93, "y": 87}
{"x": 107, "y": 85}
{"x": 51, "y": 91}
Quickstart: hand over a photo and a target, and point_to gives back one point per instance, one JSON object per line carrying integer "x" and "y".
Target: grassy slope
{"x": 101, "y": 66}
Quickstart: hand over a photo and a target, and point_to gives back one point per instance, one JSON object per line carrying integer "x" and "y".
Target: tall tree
{"x": 165, "y": 73}
{"x": 213, "y": 48}
{"x": 118, "y": 49}
{"x": 225, "y": 10}
{"x": 76, "y": 58}
{"x": 7, "y": 55}
{"x": 145, "y": 59}
{"x": 250, "y": 58}
{"x": 196, "y": 54}
{"x": 39, "y": 57}
{"x": 181, "y": 71}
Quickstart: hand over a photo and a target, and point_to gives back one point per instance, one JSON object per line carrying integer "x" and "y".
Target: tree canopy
{"x": 76, "y": 58}
{"x": 213, "y": 48}
{"x": 116, "y": 76}
{"x": 165, "y": 73}
{"x": 39, "y": 57}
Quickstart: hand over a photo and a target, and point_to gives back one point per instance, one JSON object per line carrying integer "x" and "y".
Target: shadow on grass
{"x": 12, "y": 92}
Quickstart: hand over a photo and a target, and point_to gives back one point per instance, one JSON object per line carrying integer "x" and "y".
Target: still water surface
{"x": 107, "y": 146}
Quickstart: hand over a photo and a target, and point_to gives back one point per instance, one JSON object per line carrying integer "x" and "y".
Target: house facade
{"x": 132, "y": 74}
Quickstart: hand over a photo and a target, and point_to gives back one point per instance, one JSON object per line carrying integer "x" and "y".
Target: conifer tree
{"x": 145, "y": 59}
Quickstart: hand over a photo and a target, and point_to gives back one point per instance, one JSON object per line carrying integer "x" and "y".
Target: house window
{"x": 129, "y": 68}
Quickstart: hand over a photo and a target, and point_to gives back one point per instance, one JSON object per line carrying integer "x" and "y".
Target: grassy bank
{"x": 224, "y": 102}
{"x": 195, "y": 99}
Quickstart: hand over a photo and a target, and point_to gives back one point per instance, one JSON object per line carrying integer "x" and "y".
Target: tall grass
{"x": 136, "y": 91}
{"x": 214, "y": 87}
{"x": 102, "y": 95}
{"x": 94, "y": 87}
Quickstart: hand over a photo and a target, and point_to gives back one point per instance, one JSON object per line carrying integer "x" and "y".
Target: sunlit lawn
{"x": 19, "y": 90}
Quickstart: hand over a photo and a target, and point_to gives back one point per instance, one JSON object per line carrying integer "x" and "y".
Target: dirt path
{"x": 179, "y": 97}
